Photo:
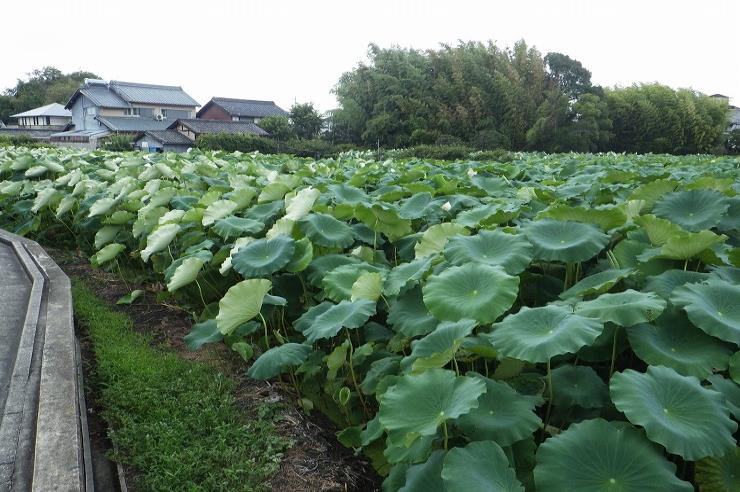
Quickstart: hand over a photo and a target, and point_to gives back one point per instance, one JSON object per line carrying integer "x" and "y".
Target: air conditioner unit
{"x": 159, "y": 117}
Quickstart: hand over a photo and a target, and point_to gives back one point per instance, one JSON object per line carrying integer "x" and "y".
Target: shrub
{"x": 21, "y": 141}
{"x": 251, "y": 143}
{"x": 118, "y": 143}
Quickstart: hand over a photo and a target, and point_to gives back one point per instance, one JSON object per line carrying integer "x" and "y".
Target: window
{"x": 164, "y": 113}
{"x": 132, "y": 112}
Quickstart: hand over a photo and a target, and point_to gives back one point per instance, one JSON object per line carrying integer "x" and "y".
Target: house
{"x": 183, "y": 133}
{"x": 100, "y": 108}
{"x": 734, "y": 112}
{"x": 50, "y": 117}
{"x": 39, "y": 123}
{"x": 228, "y": 109}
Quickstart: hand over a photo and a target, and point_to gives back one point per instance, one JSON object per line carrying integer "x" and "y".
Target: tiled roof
{"x": 167, "y": 137}
{"x": 199, "y": 126}
{"x": 53, "y": 109}
{"x": 152, "y": 94}
{"x": 100, "y": 96}
{"x": 131, "y": 123}
{"x": 249, "y": 107}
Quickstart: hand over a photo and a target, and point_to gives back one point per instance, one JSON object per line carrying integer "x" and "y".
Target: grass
{"x": 173, "y": 421}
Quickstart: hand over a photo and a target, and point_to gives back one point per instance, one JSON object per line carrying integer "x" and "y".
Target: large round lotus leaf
{"x": 475, "y": 291}
{"x": 236, "y": 226}
{"x": 730, "y": 390}
{"x": 564, "y": 241}
{"x": 409, "y": 316}
{"x": 539, "y": 334}
{"x": 601, "y": 456}
{"x": 489, "y": 214}
{"x": 605, "y": 218}
{"x": 344, "y": 193}
{"x": 624, "y": 308}
{"x": 578, "y": 385}
{"x": 416, "y": 206}
{"x": 495, "y": 248}
{"x": 242, "y": 302}
{"x": 676, "y": 411}
{"x": 598, "y": 283}
{"x": 319, "y": 267}
{"x": 418, "y": 404}
{"x": 659, "y": 231}
{"x": 439, "y": 347}
{"x": 502, "y": 415}
{"x": 263, "y": 256}
{"x": 277, "y": 359}
{"x": 713, "y": 306}
{"x": 406, "y": 274}
{"x": 693, "y": 210}
{"x": 720, "y": 474}
{"x": 326, "y": 319}
{"x": 327, "y": 231}
{"x": 479, "y": 467}
{"x": 672, "y": 341}
{"x": 665, "y": 283}
{"x": 690, "y": 244}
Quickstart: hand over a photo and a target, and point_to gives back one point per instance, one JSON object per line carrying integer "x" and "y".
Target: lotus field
{"x": 554, "y": 323}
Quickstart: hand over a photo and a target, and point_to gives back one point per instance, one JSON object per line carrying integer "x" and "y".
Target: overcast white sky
{"x": 289, "y": 50}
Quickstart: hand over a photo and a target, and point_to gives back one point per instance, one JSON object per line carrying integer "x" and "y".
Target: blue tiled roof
{"x": 131, "y": 123}
{"x": 199, "y": 126}
{"x": 249, "y": 108}
{"x": 152, "y": 94}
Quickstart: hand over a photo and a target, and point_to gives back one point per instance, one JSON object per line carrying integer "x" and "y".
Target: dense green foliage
{"x": 306, "y": 122}
{"x": 251, "y": 143}
{"x": 43, "y": 87}
{"x": 547, "y": 323}
{"x": 20, "y": 141}
{"x": 486, "y": 97}
{"x": 174, "y": 421}
{"x": 118, "y": 143}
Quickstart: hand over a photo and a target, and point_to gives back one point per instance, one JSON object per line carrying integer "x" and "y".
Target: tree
{"x": 568, "y": 74}
{"x": 45, "y": 86}
{"x": 306, "y": 120}
{"x": 278, "y": 127}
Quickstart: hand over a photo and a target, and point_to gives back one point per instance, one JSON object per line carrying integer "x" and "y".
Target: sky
{"x": 292, "y": 50}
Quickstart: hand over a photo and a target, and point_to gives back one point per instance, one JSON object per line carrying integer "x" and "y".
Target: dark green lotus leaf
{"x": 326, "y": 319}
{"x": 379, "y": 369}
{"x": 418, "y": 404}
{"x": 730, "y": 390}
{"x": 488, "y": 214}
{"x": 693, "y": 210}
{"x": 409, "y": 315}
{"x": 427, "y": 476}
{"x": 601, "y": 456}
{"x": 265, "y": 212}
{"x": 713, "y": 306}
{"x": 416, "y": 206}
{"x": 202, "y": 333}
{"x": 495, "y": 248}
{"x": 263, "y": 256}
{"x": 475, "y": 291}
{"x": 624, "y": 308}
{"x": 345, "y": 194}
{"x": 439, "y": 347}
{"x": 338, "y": 282}
{"x": 502, "y": 415}
{"x": 278, "y": 359}
{"x": 319, "y": 267}
{"x": 598, "y": 283}
{"x": 479, "y": 467}
{"x": 735, "y": 367}
{"x": 539, "y": 334}
{"x": 601, "y": 349}
{"x": 605, "y": 218}
{"x": 326, "y": 231}
{"x": 564, "y": 241}
{"x": 676, "y": 411}
{"x": 406, "y": 274}
{"x": 672, "y": 341}
{"x": 578, "y": 385}
{"x": 721, "y": 474}
{"x": 730, "y": 222}
{"x": 726, "y": 273}
{"x": 665, "y": 283}
{"x": 233, "y": 226}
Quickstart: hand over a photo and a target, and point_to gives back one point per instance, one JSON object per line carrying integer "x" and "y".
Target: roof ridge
{"x": 234, "y": 99}
{"x": 150, "y": 86}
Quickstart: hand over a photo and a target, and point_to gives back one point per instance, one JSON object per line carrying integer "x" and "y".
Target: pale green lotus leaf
{"x": 435, "y": 238}
{"x": 159, "y": 240}
{"x": 302, "y": 256}
{"x": 301, "y": 204}
{"x": 102, "y": 206}
{"x": 242, "y": 302}
{"x": 369, "y": 286}
{"x": 218, "y": 210}
{"x": 186, "y": 273}
{"x": 598, "y": 283}
{"x": 659, "y": 231}
{"x": 108, "y": 253}
{"x": 105, "y": 235}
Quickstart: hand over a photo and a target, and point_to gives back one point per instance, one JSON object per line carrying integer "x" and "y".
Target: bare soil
{"x": 316, "y": 462}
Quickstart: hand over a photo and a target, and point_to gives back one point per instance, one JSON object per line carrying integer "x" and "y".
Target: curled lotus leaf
{"x": 325, "y": 230}
{"x": 263, "y": 256}
{"x": 713, "y": 306}
{"x": 623, "y": 308}
{"x": 598, "y": 283}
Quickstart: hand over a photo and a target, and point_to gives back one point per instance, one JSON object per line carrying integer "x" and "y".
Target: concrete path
{"x": 43, "y": 432}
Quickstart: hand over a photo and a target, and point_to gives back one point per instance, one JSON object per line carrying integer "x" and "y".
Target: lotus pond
{"x": 554, "y": 323}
